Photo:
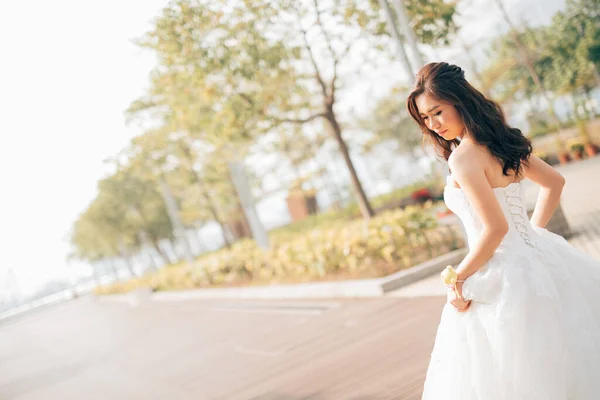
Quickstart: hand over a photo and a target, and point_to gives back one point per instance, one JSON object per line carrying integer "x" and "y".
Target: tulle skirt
{"x": 532, "y": 332}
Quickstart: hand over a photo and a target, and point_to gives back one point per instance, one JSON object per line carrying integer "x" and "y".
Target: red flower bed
{"x": 421, "y": 195}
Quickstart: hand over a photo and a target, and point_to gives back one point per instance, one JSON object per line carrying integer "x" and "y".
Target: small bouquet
{"x": 450, "y": 279}
{"x": 449, "y": 276}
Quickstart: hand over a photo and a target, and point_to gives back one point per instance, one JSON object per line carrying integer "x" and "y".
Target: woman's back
{"x": 478, "y": 156}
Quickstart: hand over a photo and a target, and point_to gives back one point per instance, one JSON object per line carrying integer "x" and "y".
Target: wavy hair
{"x": 483, "y": 118}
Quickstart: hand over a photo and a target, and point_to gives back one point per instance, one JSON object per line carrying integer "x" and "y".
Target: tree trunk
{"x": 363, "y": 202}
{"x": 129, "y": 264}
{"x": 150, "y": 257}
{"x": 214, "y": 213}
{"x": 574, "y": 106}
{"x": 204, "y": 192}
{"x": 172, "y": 244}
{"x": 173, "y": 212}
{"x": 145, "y": 249}
{"x": 596, "y": 73}
{"x": 127, "y": 259}
{"x": 590, "y": 101}
{"x": 161, "y": 254}
{"x": 113, "y": 267}
{"x": 146, "y": 243}
{"x": 94, "y": 267}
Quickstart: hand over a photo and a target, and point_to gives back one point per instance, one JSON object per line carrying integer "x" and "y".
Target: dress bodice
{"x": 513, "y": 206}
{"x": 531, "y": 332}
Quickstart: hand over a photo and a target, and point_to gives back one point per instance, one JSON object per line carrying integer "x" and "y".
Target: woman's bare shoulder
{"x": 468, "y": 156}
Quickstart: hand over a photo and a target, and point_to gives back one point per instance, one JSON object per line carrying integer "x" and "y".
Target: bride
{"x": 522, "y": 320}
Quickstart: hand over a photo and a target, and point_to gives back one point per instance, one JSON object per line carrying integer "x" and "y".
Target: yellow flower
{"x": 449, "y": 275}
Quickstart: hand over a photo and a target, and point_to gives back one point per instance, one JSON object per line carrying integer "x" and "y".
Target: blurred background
{"x": 122, "y": 124}
{"x": 171, "y": 145}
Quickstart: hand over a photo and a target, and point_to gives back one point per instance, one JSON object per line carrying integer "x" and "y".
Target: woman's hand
{"x": 455, "y": 298}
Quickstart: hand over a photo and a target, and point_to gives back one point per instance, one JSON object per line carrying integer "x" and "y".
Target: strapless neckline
{"x": 494, "y": 188}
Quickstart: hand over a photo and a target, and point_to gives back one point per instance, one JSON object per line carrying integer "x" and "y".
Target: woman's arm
{"x": 467, "y": 170}
{"x": 551, "y": 183}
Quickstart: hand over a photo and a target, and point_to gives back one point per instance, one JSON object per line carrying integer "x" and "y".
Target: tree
{"x": 153, "y": 154}
{"x": 197, "y": 121}
{"x": 126, "y": 210}
{"x": 193, "y": 168}
{"x": 260, "y": 64}
{"x": 390, "y": 122}
{"x": 507, "y": 75}
{"x": 529, "y": 62}
{"x": 295, "y": 146}
{"x": 558, "y": 55}
{"x": 214, "y": 171}
{"x": 569, "y": 43}
{"x": 431, "y": 20}
{"x": 585, "y": 15}
{"x": 251, "y": 78}
{"x": 139, "y": 207}
{"x": 97, "y": 234}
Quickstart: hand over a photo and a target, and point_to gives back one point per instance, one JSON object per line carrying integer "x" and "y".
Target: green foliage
{"x": 292, "y": 143}
{"x": 562, "y": 54}
{"x": 548, "y": 128}
{"x": 391, "y": 198}
{"x": 576, "y": 145}
{"x": 127, "y": 205}
{"x": 340, "y": 217}
{"x": 431, "y": 20}
{"x": 389, "y": 242}
{"x": 229, "y": 73}
{"x": 508, "y": 76}
{"x": 569, "y": 40}
{"x": 220, "y": 68}
{"x": 390, "y": 122}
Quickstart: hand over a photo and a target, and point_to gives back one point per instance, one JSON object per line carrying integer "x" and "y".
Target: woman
{"x": 522, "y": 321}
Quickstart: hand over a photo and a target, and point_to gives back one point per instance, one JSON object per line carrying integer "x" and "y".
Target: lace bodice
{"x": 514, "y": 208}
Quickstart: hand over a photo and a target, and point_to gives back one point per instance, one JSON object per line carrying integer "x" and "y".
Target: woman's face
{"x": 440, "y": 117}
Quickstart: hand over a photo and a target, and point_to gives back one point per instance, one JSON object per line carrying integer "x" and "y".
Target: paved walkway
{"x": 581, "y": 204}
{"x": 367, "y": 349}
{"x": 344, "y": 349}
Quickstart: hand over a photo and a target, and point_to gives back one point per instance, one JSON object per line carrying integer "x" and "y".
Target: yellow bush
{"x": 391, "y": 241}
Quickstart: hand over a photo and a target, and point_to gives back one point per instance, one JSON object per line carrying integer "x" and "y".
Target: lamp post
{"x": 240, "y": 182}
{"x": 408, "y": 31}
{"x": 393, "y": 28}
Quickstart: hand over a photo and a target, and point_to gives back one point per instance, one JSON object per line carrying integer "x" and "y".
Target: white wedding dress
{"x": 533, "y": 329}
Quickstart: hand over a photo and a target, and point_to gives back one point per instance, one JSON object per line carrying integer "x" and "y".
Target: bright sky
{"x": 68, "y": 72}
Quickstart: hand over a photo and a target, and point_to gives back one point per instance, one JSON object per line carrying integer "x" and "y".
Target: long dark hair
{"x": 483, "y": 118}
